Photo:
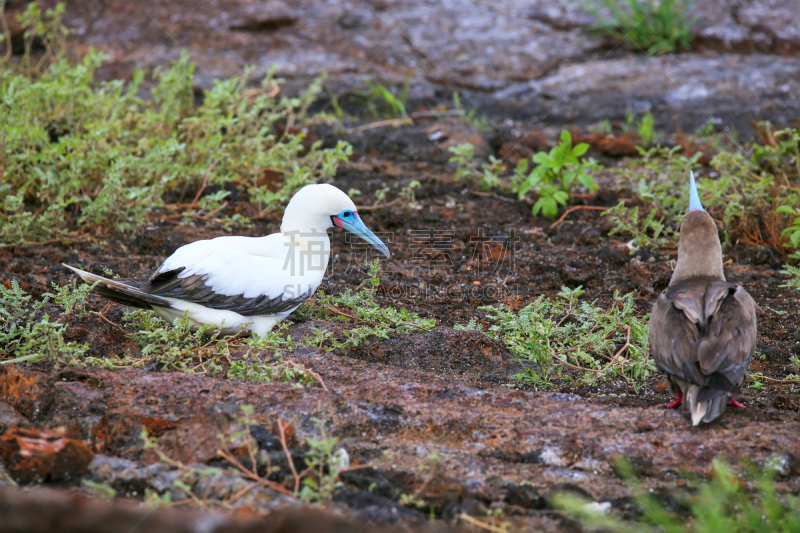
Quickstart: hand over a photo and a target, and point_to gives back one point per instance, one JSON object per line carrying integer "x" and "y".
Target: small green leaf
{"x": 580, "y": 149}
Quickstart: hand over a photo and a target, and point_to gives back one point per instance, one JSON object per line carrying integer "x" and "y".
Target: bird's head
{"x": 321, "y": 206}
{"x": 699, "y": 249}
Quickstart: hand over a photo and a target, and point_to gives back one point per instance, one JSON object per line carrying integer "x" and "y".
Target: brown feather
{"x": 702, "y": 328}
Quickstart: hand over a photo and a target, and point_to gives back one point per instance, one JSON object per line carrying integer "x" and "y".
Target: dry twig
{"x": 381, "y": 123}
{"x": 251, "y": 474}
{"x": 282, "y": 429}
{"x": 316, "y": 376}
{"x": 577, "y": 208}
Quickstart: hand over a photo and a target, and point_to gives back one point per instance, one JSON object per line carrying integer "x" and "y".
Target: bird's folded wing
{"x": 190, "y": 254}
{"x": 673, "y": 338}
{"x": 235, "y": 279}
{"x": 727, "y": 348}
{"x": 713, "y": 350}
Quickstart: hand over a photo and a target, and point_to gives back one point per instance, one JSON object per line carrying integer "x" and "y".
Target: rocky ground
{"x": 429, "y": 416}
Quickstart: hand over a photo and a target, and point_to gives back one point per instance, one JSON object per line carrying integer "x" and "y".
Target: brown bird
{"x": 702, "y": 328}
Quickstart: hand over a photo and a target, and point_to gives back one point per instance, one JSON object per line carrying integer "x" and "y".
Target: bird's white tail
{"x": 707, "y": 410}
{"x": 120, "y": 292}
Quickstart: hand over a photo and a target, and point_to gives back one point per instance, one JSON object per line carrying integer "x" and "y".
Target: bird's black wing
{"x": 194, "y": 289}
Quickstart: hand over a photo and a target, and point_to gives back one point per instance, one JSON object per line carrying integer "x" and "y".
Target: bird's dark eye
{"x": 346, "y": 214}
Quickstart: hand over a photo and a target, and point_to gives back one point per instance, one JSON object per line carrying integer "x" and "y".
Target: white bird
{"x": 231, "y": 283}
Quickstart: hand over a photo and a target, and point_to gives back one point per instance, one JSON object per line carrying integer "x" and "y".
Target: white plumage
{"x": 230, "y": 282}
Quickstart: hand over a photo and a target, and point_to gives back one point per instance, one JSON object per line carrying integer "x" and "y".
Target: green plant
{"x": 751, "y": 189}
{"x": 479, "y": 123}
{"x": 487, "y": 174}
{"x": 649, "y": 232}
{"x": 405, "y": 197}
{"x": 324, "y": 465}
{"x": 719, "y": 504}
{"x": 103, "y": 489}
{"x": 793, "y": 272}
{"x": 793, "y": 231}
{"x": 756, "y": 379}
{"x": 647, "y": 129}
{"x": 654, "y": 26}
{"x": 28, "y": 331}
{"x": 360, "y": 307}
{"x": 176, "y": 347}
{"x": 551, "y": 335}
{"x": 555, "y": 175}
{"x": 378, "y": 95}
{"x": 79, "y": 154}
{"x": 253, "y": 367}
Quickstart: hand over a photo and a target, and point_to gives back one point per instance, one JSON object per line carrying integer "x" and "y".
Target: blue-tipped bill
{"x": 350, "y": 221}
{"x": 694, "y": 198}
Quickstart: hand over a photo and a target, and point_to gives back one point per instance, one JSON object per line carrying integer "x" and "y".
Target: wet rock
{"x": 776, "y": 20}
{"x": 526, "y": 496}
{"x": 31, "y": 454}
{"x": 570, "y": 489}
{"x": 28, "y": 391}
{"x": 9, "y": 416}
{"x": 718, "y": 29}
{"x": 561, "y": 15}
{"x": 491, "y": 54}
{"x": 119, "y": 431}
{"x": 260, "y": 17}
{"x": 440, "y": 491}
{"x": 688, "y": 89}
{"x": 351, "y": 21}
{"x": 266, "y": 24}
{"x": 264, "y": 439}
{"x": 198, "y": 439}
{"x": 45, "y": 511}
{"x": 372, "y": 480}
{"x": 375, "y": 507}
{"x": 395, "y": 418}
{"x": 129, "y": 478}
{"x": 81, "y": 403}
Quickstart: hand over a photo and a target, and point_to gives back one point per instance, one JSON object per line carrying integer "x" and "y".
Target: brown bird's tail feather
{"x": 706, "y": 410}
{"x": 120, "y": 292}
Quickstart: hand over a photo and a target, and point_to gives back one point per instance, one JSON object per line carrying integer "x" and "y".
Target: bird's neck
{"x": 308, "y": 239}
{"x": 698, "y": 262}
{"x": 307, "y": 253}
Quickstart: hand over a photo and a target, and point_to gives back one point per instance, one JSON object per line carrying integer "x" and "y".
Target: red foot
{"x": 677, "y": 402}
{"x": 734, "y": 403}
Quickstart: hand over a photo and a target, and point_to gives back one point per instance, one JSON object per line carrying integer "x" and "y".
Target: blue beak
{"x": 356, "y": 225}
{"x": 694, "y": 198}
